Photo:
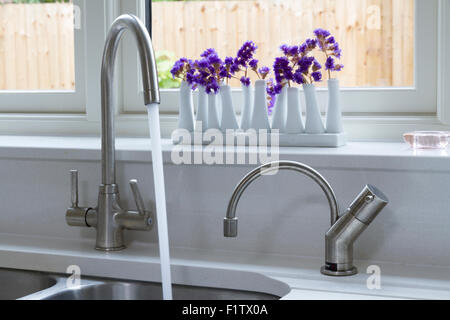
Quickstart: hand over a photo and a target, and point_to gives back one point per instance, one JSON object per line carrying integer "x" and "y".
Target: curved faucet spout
{"x": 230, "y": 221}
{"x": 345, "y": 229}
{"x": 149, "y": 77}
{"x": 108, "y": 217}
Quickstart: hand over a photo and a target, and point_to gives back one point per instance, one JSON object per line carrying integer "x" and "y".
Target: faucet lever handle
{"x": 74, "y": 188}
{"x": 137, "y": 196}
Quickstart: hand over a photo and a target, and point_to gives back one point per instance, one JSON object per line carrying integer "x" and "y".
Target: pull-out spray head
{"x": 341, "y": 236}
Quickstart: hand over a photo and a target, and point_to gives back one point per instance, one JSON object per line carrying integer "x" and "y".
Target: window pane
{"x": 36, "y": 45}
{"x": 376, "y": 36}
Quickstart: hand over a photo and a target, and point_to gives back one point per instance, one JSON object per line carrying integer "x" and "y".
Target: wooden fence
{"x": 37, "y": 47}
{"x": 377, "y": 36}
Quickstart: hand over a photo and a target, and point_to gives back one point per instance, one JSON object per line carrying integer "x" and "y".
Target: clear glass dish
{"x": 427, "y": 139}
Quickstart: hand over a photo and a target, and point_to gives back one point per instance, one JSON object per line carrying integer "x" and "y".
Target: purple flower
{"x": 329, "y": 64}
{"x": 200, "y": 79}
{"x": 330, "y": 40}
{"x": 338, "y": 67}
{"x": 293, "y": 50}
{"x": 336, "y": 50}
{"x": 229, "y": 61}
{"x": 245, "y": 81}
{"x": 208, "y": 52}
{"x": 272, "y": 90}
{"x": 327, "y": 43}
{"x": 190, "y": 78}
{"x": 214, "y": 59}
{"x": 234, "y": 68}
{"x": 298, "y": 77}
{"x": 285, "y": 49}
{"x": 253, "y": 64}
{"x": 322, "y": 33}
{"x": 264, "y": 71}
{"x": 317, "y": 76}
{"x": 316, "y": 66}
{"x": 211, "y": 69}
{"x": 226, "y": 69}
{"x": 246, "y": 52}
{"x": 289, "y": 51}
{"x": 311, "y": 43}
{"x": 212, "y": 87}
{"x": 182, "y": 68}
{"x": 177, "y": 68}
{"x": 303, "y": 48}
{"x": 308, "y": 46}
{"x": 282, "y": 70}
{"x": 223, "y": 73}
{"x": 203, "y": 63}
{"x": 304, "y": 64}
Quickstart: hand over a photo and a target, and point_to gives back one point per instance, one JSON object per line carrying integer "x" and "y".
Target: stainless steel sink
{"x": 15, "y": 284}
{"x": 153, "y": 291}
{"x": 30, "y": 285}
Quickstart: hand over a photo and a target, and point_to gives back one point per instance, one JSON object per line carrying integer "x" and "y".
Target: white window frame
{"x": 388, "y": 112}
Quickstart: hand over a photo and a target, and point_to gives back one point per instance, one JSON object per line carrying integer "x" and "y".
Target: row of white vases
{"x": 287, "y": 114}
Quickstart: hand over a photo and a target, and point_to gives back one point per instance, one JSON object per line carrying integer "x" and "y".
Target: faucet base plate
{"x": 110, "y": 249}
{"x": 325, "y": 271}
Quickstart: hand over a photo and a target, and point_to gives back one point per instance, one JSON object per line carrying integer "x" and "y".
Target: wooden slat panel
{"x": 37, "y": 47}
{"x": 376, "y": 35}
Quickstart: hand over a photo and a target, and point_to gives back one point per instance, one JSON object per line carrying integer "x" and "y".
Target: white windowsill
{"x": 373, "y": 155}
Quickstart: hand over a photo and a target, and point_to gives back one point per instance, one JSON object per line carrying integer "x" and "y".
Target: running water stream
{"x": 160, "y": 196}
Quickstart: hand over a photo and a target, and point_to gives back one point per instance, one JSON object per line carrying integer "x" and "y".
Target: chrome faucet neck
{"x": 272, "y": 167}
{"x": 109, "y": 218}
{"x": 149, "y": 77}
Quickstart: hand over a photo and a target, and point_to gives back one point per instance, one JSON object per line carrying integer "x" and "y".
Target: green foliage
{"x": 165, "y": 61}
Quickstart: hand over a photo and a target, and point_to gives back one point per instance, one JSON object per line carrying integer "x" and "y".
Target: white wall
{"x": 286, "y": 214}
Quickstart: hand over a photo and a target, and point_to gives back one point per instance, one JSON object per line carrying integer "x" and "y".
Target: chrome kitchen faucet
{"x": 109, "y": 218}
{"x": 345, "y": 229}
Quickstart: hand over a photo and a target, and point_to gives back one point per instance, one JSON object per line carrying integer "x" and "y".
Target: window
{"x": 385, "y": 72}
{"x": 38, "y": 56}
{"x": 391, "y": 88}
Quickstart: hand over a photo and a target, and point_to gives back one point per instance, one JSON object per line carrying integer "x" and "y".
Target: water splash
{"x": 160, "y": 196}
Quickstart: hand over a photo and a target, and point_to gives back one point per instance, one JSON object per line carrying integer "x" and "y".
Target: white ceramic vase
{"x": 280, "y": 111}
{"x": 229, "y": 120}
{"x": 213, "y": 116}
{"x": 202, "y": 110}
{"x": 313, "y": 123}
{"x": 294, "y": 123}
{"x": 247, "y": 107}
{"x": 186, "y": 112}
{"x": 260, "y": 117}
{"x": 334, "y": 112}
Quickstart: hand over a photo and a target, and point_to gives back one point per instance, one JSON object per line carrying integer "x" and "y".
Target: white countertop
{"x": 385, "y": 155}
{"x": 141, "y": 262}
